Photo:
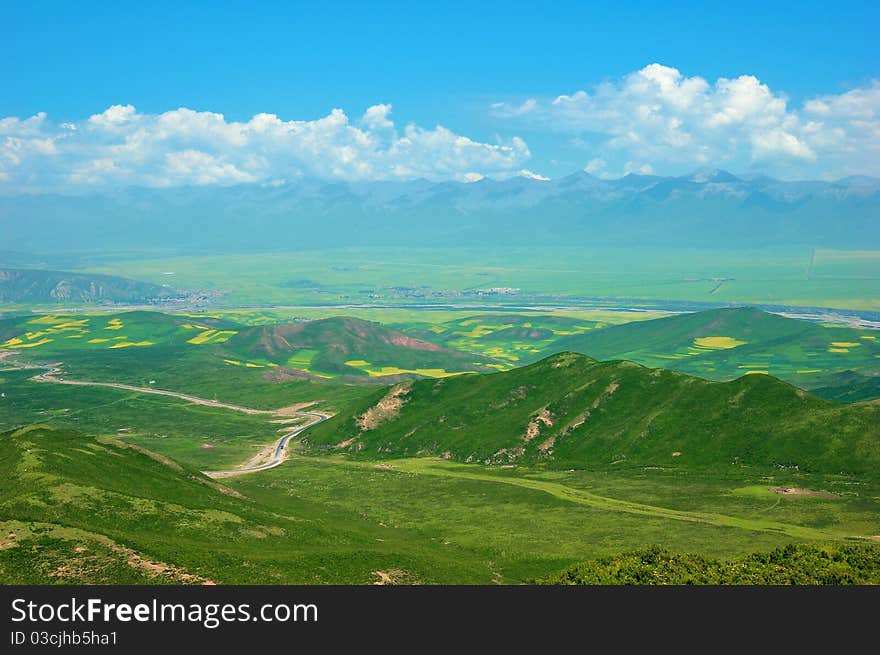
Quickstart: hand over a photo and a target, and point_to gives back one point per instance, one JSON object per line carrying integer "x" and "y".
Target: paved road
{"x": 277, "y": 457}
{"x": 277, "y": 453}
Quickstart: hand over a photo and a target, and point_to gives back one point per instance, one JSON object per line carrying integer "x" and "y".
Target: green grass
{"x": 55, "y": 334}
{"x": 707, "y": 514}
{"x": 510, "y": 339}
{"x": 38, "y": 553}
{"x": 204, "y": 437}
{"x": 171, "y": 362}
{"x": 60, "y": 491}
{"x": 331, "y": 519}
{"x": 524, "y": 522}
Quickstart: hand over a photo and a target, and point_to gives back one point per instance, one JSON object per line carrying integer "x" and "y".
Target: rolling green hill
{"x": 722, "y": 344}
{"x": 266, "y": 366}
{"x": 59, "y": 334}
{"x": 849, "y": 387}
{"x": 18, "y": 285}
{"x": 164, "y": 351}
{"x": 81, "y": 510}
{"x": 350, "y": 346}
{"x": 512, "y": 339}
{"x": 571, "y": 411}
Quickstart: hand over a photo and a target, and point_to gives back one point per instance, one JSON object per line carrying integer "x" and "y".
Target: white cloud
{"x": 196, "y": 167}
{"x": 526, "y": 107}
{"x": 376, "y": 117}
{"x": 771, "y": 143}
{"x": 532, "y": 175}
{"x": 115, "y": 115}
{"x": 863, "y": 104}
{"x": 94, "y": 171}
{"x": 659, "y": 115}
{"x": 636, "y": 167}
{"x": 183, "y": 146}
{"x": 595, "y": 166}
{"x": 23, "y": 128}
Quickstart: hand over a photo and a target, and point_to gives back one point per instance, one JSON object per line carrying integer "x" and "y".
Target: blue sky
{"x": 489, "y": 72}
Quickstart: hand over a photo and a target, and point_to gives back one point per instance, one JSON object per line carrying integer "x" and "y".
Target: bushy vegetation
{"x": 793, "y": 564}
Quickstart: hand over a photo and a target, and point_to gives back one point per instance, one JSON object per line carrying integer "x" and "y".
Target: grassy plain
{"x": 797, "y": 276}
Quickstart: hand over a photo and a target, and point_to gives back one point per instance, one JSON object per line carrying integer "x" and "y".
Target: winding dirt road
{"x": 260, "y": 463}
{"x": 52, "y": 376}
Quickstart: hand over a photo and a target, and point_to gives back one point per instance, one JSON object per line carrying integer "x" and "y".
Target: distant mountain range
{"x": 705, "y": 209}
{"x": 38, "y": 286}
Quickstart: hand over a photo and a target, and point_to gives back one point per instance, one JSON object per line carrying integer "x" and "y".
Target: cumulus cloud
{"x": 121, "y": 146}
{"x": 114, "y": 115}
{"x": 663, "y": 119}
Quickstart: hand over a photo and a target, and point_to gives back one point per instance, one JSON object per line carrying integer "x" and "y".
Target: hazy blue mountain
{"x": 705, "y": 209}
{"x": 37, "y": 286}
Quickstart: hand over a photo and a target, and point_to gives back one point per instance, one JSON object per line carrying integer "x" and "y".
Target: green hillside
{"x": 58, "y": 334}
{"x": 849, "y": 387}
{"x": 793, "y": 564}
{"x": 350, "y": 346}
{"x": 207, "y": 437}
{"x": 512, "y": 339}
{"x": 18, "y": 285}
{"x": 331, "y": 347}
{"x": 76, "y": 509}
{"x": 571, "y": 411}
{"x": 723, "y": 344}
{"x": 213, "y": 357}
